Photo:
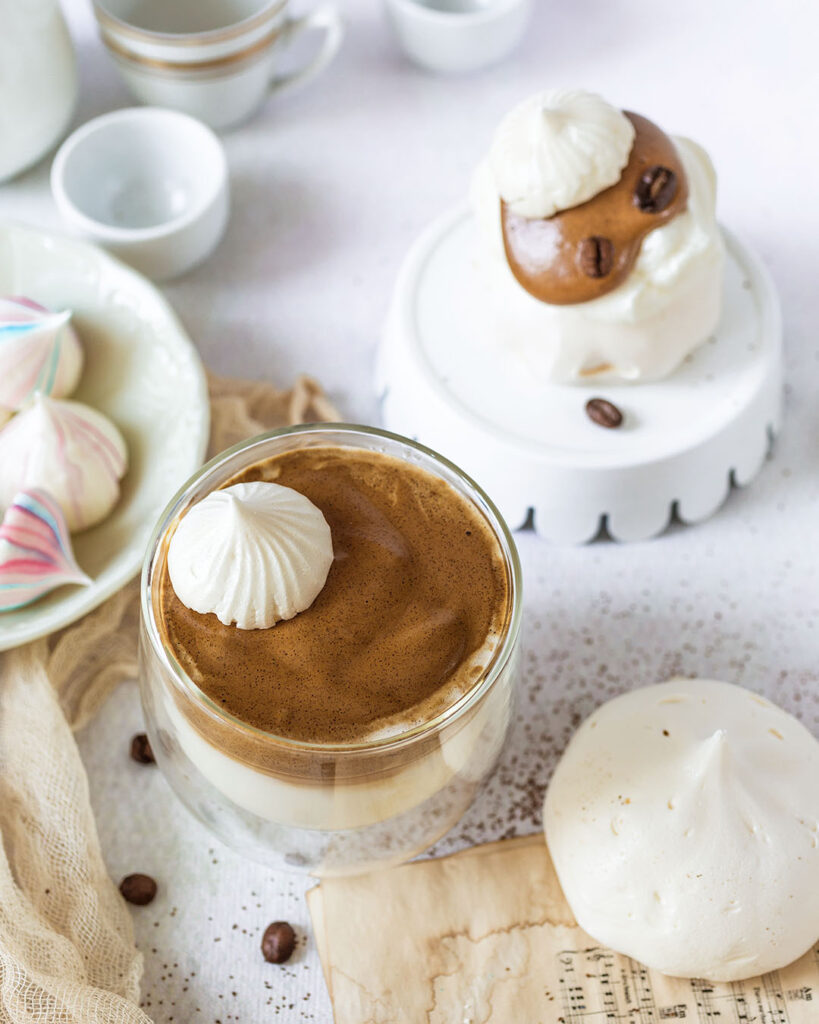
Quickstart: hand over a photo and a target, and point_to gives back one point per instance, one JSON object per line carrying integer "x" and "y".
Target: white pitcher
{"x": 38, "y": 81}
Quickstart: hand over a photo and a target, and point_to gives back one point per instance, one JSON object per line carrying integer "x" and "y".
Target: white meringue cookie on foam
{"x": 683, "y": 822}
{"x": 68, "y": 449}
{"x": 557, "y": 149}
{"x": 252, "y": 554}
{"x": 39, "y": 352}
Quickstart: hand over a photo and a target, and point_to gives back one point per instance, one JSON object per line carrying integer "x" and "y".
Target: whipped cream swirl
{"x": 252, "y": 554}
{"x": 683, "y": 821}
{"x": 557, "y": 149}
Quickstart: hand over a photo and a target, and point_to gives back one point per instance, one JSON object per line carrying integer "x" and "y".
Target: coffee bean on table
{"x": 138, "y": 889}
{"x": 596, "y": 256}
{"x": 604, "y": 413}
{"x": 278, "y": 942}
{"x": 655, "y": 189}
{"x": 141, "y": 749}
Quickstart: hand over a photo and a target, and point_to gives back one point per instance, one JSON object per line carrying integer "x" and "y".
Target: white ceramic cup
{"x": 216, "y": 60}
{"x": 151, "y": 185}
{"x": 457, "y": 36}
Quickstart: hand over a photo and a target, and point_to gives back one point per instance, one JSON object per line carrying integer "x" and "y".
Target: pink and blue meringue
{"x": 39, "y": 352}
{"x": 68, "y": 449}
{"x": 35, "y": 550}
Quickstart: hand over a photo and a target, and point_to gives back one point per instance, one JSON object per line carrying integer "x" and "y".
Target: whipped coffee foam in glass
{"x": 406, "y": 621}
{"x": 371, "y": 702}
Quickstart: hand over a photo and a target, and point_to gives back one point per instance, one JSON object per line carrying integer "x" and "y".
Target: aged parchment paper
{"x": 486, "y": 937}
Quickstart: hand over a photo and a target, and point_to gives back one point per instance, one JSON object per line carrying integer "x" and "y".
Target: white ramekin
{"x": 460, "y": 36}
{"x": 151, "y": 185}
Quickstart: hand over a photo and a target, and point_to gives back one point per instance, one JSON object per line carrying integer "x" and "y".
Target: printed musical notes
{"x": 597, "y": 986}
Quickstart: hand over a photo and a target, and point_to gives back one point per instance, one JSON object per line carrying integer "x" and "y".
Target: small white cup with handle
{"x": 216, "y": 60}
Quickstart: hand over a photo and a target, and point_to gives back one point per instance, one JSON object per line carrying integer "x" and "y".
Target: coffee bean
{"x": 596, "y": 256}
{"x": 138, "y": 889}
{"x": 604, "y": 413}
{"x": 655, "y": 189}
{"x": 278, "y": 942}
{"x": 141, "y": 749}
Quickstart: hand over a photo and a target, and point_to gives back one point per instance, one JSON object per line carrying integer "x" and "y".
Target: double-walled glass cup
{"x": 326, "y": 808}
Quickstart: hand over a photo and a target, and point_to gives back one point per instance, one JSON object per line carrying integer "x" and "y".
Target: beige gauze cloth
{"x": 486, "y": 937}
{"x": 67, "y": 953}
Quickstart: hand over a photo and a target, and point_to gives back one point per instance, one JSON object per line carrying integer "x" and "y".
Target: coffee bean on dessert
{"x": 604, "y": 413}
{"x": 278, "y": 942}
{"x": 655, "y": 189}
{"x": 141, "y": 749}
{"x": 596, "y": 256}
{"x": 138, "y": 889}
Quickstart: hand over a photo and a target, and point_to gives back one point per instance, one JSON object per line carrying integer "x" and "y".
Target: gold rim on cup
{"x": 214, "y": 64}
{"x": 205, "y": 38}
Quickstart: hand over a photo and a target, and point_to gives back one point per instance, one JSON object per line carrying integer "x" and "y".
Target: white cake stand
{"x": 684, "y": 441}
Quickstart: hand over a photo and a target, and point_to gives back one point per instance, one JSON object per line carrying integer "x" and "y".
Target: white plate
{"x": 446, "y": 380}
{"x": 142, "y": 370}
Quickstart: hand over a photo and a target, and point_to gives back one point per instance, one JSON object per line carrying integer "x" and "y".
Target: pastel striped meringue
{"x": 68, "y": 449}
{"x": 35, "y": 550}
{"x": 39, "y": 352}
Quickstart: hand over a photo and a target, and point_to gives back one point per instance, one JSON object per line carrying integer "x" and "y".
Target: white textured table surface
{"x": 330, "y": 187}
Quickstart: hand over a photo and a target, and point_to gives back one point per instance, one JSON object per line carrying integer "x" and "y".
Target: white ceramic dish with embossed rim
{"x": 143, "y": 372}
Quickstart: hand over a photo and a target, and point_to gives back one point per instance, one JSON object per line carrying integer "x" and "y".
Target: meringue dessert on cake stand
{"x": 328, "y": 649}
{"x": 587, "y": 285}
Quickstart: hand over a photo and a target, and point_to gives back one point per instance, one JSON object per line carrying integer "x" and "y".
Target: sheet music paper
{"x": 598, "y": 985}
{"x": 486, "y": 937}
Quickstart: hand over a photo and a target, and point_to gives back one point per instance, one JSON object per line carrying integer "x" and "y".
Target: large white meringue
{"x": 68, "y": 449}
{"x": 683, "y": 822}
{"x": 252, "y": 554}
{"x": 557, "y": 149}
{"x": 39, "y": 352}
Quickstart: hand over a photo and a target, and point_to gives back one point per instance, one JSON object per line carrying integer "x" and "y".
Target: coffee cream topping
{"x": 683, "y": 821}
{"x": 252, "y": 554}
{"x": 414, "y": 606}
{"x": 557, "y": 149}
{"x": 585, "y": 252}
{"x": 641, "y": 330}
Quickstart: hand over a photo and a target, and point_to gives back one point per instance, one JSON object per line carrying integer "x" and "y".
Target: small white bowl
{"x": 456, "y": 36}
{"x": 151, "y": 185}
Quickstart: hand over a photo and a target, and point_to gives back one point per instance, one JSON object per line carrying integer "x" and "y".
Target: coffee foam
{"x": 413, "y": 611}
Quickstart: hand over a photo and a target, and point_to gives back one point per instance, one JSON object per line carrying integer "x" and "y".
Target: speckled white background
{"x": 330, "y": 187}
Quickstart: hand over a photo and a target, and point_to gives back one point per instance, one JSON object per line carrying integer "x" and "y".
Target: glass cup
{"x": 324, "y": 808}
